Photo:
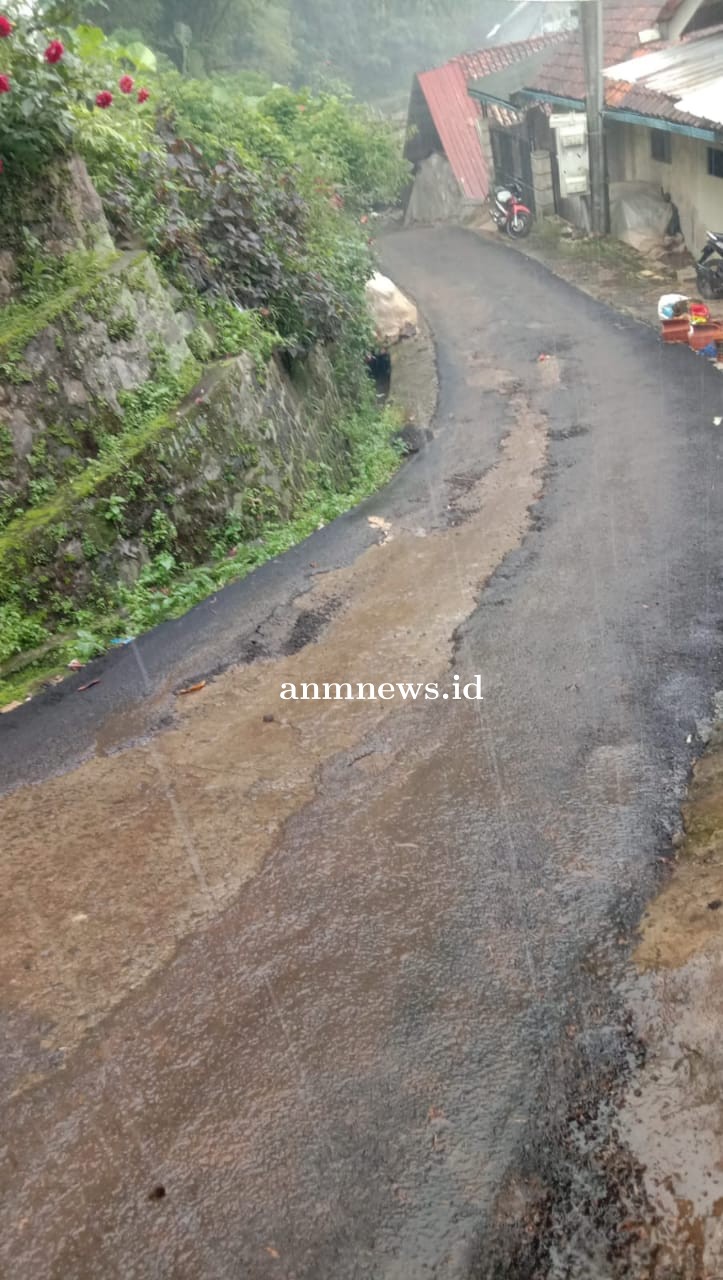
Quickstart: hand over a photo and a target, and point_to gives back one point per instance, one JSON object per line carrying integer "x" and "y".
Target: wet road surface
{"x": 285, "y": 998}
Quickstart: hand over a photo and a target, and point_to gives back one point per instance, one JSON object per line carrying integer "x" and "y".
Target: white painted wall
{"x": 699, "y": 197}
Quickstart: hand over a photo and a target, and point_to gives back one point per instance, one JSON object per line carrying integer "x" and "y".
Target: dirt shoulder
{"x": 673, "y": 1117}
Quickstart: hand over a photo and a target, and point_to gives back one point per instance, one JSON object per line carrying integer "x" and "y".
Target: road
{"x": 318, "y": 996}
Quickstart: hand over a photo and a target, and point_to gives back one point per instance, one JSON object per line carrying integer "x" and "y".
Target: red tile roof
{"x": 564, "y": 74}
{"x": 498, "y": 57}
{"x": 622, "y": 96}
{"x": 455, "y": 114}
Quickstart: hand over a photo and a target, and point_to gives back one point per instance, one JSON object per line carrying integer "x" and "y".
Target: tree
{"x": 372, "y": 45}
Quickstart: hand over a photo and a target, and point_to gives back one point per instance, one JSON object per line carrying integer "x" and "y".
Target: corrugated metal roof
{"x": 688, "y": 75}
{"x": 456, "y": 115}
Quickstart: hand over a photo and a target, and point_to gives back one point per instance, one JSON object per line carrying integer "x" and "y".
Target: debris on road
{"x": 393, "y": 315}
{"x": 384, "y": 526}
{"x": 672, "y": 305}
{"x": 75, "y": 665}
{"x": 689, "y": 322}
{"x": 10, "y": 706}
{"x": 192, "y": 688}
{"x": 82, "y": 688}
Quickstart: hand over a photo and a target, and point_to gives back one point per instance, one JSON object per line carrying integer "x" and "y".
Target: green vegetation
{"x": 249, "y": 204}
{"x": 168, "y": 586}
{"x": 77, "y": 275}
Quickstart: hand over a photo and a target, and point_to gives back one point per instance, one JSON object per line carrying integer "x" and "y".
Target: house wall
{"x": 698, "y": 196}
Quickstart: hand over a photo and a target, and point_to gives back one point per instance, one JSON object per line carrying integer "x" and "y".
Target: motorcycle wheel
{"x": 520, "y": 226}
{"x": 705, "y": 288}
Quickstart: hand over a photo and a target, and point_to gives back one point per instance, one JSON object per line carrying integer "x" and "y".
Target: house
{"x": 662, "y": 124}
{"x": 443, "y": 120}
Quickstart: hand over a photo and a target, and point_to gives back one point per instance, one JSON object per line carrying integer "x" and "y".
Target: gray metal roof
{"x": 690, "y": 73}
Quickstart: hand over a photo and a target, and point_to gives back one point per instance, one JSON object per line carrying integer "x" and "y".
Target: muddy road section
{"x": 286, "y": 983}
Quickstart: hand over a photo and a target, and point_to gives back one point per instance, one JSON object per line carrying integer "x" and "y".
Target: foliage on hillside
{"x": 253, "y": 206}
{"x": 246, "y": 199}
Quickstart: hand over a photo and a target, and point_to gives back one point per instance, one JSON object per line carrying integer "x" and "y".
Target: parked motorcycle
{"x": 511, "y": 216}
{"x": 710, "y": 273}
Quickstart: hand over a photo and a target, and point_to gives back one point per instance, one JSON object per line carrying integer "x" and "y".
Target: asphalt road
{"x": 347, "y": 1046}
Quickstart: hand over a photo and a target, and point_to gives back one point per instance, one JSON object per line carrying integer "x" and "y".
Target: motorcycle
{"x": 510, "y": 215}
{"x": 710, "y": 274}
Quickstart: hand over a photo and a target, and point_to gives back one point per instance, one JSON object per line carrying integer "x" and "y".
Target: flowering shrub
{"x": 54, "y": 51}
{"x": 50, "y": 77}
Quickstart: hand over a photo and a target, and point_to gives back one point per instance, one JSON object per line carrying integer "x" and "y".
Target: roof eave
{"x": 666, "y": 126}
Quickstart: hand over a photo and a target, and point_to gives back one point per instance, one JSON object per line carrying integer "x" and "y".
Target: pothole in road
{"x": 569, "y": 433}
{"x": 309, "y": 625}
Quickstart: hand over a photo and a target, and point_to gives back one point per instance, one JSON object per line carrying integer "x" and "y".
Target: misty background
{"x": 371, "y": 46}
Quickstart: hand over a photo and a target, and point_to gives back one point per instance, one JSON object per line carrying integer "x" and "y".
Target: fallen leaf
{"x": 82, "y": 688}
{"x": 75, "y": 665}
{"x": 273, "y": 1253}
{"x": 192, "y": 688}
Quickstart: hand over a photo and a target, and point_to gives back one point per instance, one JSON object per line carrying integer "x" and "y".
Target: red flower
{"x": 4, "y": 84}
{"x": 54, "y": 51}
{"x": 125, "y": 84}
{"x": 103, "y": 99}
{"x": 143, "y": 95}
{"x": 6, "y": 27}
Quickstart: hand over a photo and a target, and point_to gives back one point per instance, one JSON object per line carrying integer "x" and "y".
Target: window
{"x": 660, "y": 146}
{"x": 715, "y": 163}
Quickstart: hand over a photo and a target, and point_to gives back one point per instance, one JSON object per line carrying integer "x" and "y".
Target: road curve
{"x": 284, "y": 998}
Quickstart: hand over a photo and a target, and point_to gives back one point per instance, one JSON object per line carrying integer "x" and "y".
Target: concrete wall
{"x": 542, "y": 182}
{"x": 699, "y": 197}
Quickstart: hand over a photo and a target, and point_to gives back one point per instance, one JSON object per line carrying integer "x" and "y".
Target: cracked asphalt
{"x": 295, "y": 997}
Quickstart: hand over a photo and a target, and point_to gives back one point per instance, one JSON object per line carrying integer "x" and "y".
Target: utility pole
{"x": 590, "y": 16}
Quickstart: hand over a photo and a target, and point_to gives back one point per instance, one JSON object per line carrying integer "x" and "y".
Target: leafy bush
{"x": 18, "y": 632}
{"x": 56, "y": 79}
{"x": 356, "y": 150}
